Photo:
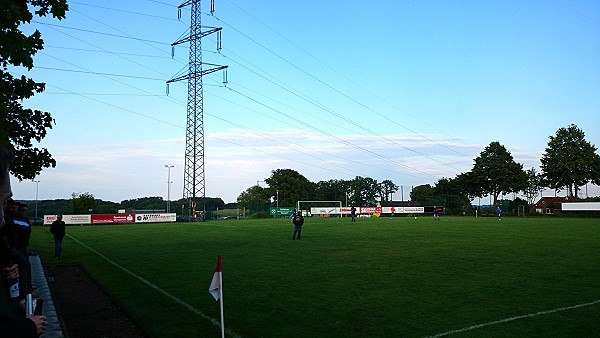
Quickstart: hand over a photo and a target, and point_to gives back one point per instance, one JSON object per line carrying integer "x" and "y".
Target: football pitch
{"x": 377, "y": 277}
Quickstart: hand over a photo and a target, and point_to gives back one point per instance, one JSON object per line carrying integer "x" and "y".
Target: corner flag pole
{"x": 221, "y": 300}
{"x": 216, "y": 290}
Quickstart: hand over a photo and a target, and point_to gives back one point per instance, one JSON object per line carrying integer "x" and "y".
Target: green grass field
{"x": 378, "y": 277}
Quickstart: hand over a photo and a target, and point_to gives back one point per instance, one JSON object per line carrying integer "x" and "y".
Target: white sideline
{"x": 155, "y": 287}
{"x": 541, "y": 313}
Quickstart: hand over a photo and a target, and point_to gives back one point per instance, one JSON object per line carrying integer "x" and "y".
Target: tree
{"x": 495, "y": 172}
{"x": 144, "y": 203}
{"x": 20, "y": 125}
{"x": 534, "y": 185}
{"x": 292, "y": 186}
{"x": 448, "y": 192}
{"x": 422, "y": 195}
{"x": 332, "y": 190}
{"x": 570, "y": 161}
{"x": 387, "y": 187}
{"x": 255, "y": 195}
{"x": 363, "y": 191}
{"x": 82, "y": 203}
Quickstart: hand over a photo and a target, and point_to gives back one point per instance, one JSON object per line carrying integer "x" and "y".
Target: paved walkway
{"x": 39, "y": 280}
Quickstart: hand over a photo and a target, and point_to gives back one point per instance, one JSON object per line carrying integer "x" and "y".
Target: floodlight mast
{"x": 194, "y": 175}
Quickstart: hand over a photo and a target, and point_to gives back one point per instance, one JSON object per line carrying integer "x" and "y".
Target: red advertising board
{"x": 370, "y": 210}
{"x": 112, "y": 218}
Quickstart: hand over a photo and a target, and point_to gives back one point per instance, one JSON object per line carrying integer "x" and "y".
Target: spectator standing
{"x": 298, "y": 221}
{"x": 58, "y": 230}
{"x": 8, "y": 242}
{"x": 10, "y": 324}
{"x": 353, "y": 213}
{"x": 23, "y": 234}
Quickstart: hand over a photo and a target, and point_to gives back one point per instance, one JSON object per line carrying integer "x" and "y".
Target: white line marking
{"x": 155, "y": 287}
{"x": 541, "y": 313}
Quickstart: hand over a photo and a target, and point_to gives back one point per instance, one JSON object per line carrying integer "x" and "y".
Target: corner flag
{"x": 216, "y": 290}
{"x": 215, "y": 287}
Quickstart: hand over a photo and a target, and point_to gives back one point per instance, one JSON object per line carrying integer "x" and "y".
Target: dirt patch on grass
{"x": 84, "y": 308}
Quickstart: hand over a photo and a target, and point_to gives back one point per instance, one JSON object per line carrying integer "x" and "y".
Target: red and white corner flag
{"x": 216, "y": 290}
{"x": 215, "y": 287}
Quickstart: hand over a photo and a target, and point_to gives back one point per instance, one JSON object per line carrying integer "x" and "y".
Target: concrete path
{"x": 39, "y": 281}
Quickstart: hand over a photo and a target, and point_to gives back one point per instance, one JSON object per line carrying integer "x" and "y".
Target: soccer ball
{"x": 415, "y": 217}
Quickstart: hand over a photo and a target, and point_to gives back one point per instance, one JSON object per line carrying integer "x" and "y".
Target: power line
{"x": 335, "y": 89}
{"x": 107, "y": 52}
{"x": 120, "y": 10}
{"x": 98, "y": 73}
{"x": 107, "y": 74}
{"x": 100, "y": 33}
{"x": 347, "y": 78}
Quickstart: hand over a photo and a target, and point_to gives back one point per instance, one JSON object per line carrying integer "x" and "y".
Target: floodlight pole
{"x": 169, "y": 187}
{"x": 36, "y": 197}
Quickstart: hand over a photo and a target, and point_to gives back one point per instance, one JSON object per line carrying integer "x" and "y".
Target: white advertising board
{"x": 325, "y": 211}
{"x": 69, "y": 219}
{"x": 155, "y": 218}
{"x": 581, "y": 206}
{"x": 403, "y": 210}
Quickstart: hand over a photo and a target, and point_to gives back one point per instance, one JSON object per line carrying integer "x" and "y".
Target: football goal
{"x": 521, "y": 210}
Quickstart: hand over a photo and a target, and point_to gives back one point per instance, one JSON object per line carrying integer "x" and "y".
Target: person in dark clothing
{"x": 7, "y": 236}
{"x": 353, "y": 213}
{"x": 12, "y": 325}
{"x": 23, "y": 234}
{"x": 298, "y": 221}
{"x": 58, "y": 230}
{"x": 8, "y": 243}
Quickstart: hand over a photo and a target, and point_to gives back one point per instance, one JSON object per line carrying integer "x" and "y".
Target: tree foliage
{"x": 534, "y": 185}
{"x": 363, "y": 191}
{"x": 292, "y": 187}
{"x": 82, "y": 203}
{"x": 495, "y": 172}
{"x": 20, "y": 125}
{"x": 387, "y": 188}
{"x": 570, "y": 161}
{"x": 422, "y": 195}
{"x": 332, "y": 190}
{"x": 255, "y": 195}
{"x": 450, "y": 194}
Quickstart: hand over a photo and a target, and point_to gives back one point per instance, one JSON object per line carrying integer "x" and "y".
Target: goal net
{"x": 321, "y": 208}
{"x": 521, "y": 210}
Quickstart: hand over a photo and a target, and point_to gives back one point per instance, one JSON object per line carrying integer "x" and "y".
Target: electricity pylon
{"x": 194, "y": 176}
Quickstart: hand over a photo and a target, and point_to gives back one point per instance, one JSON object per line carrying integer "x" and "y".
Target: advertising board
{"x": 112, "y": 218}
{"x": 69, "y": 219}
{"x": 581, "y": 206}
{"x": 370, "y": 210}
{"x": 281, "y": 211}
{"x": 325, "y": 211}
{"x": 155, "y": 218}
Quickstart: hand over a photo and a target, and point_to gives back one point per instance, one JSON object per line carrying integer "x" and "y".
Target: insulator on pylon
{"x": 212, "y": 7}
{"x": 225, "y": 77}
{"x": 219, "y": 41}
{"x": 172, "y": 52}
{"x": 178, "y": 13}
{"x": 167, "y": 89}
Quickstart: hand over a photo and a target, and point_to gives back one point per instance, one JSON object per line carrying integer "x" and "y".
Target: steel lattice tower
{"x": 194, "y": 176}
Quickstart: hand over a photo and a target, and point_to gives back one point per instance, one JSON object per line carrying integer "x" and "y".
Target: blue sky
{"x": 407, "y": 91}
